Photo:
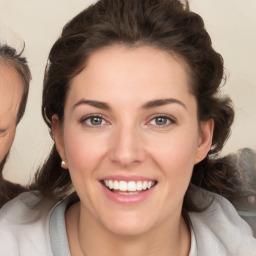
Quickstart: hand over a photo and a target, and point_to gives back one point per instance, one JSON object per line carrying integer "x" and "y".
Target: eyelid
{"x": 3, "y": 132}
{"x": 90, "y": 115}
{"x": 171, "y": 119}
{"x": 84, "y": 118}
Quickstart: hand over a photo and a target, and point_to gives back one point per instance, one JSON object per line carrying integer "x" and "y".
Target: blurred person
{"x": 14, "y": 87}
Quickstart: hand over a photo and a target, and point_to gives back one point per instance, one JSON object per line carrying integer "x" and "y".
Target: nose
{"x": 127, "y": 147}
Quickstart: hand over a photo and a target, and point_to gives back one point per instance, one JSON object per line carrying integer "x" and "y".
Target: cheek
{"x": 175, "y": 155}
{"x": 83, "y": 152}
{"x": 5, "y": 144}
{"x": 175, "y": 159}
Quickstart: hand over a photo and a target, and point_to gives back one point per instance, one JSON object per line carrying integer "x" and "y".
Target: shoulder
{"x": 219, "y": 229}
{"x": 24, "y": 228}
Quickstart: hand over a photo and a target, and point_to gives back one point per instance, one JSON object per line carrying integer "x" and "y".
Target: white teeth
{"x": 110, "y": 184}
{"x": 144, "y": 185}
{"x": 116, "y": 185}
{"x": 122, "y": 185}
{"x": 131, "y": 187}
{"x": 139, "y": 186}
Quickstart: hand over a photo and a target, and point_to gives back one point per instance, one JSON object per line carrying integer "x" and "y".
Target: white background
{"x": 231, "y": 24}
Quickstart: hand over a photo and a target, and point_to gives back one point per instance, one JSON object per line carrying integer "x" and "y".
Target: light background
{"x": 231, "y": 24}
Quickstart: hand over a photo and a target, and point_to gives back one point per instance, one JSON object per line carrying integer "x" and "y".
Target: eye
{"x": 93, "y": 121}
{"x": 162, "y": 121}
{"x": 2, "y": 131}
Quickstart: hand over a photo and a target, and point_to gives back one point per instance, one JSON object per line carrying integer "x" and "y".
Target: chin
{"x": 128, "y": 226}
{"x": 128, "y": 230}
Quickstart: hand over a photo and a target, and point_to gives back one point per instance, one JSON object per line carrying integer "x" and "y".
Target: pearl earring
{"x": 64, "y": 165}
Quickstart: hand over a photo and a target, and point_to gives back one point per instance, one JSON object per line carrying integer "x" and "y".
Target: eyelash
{"x": 169, "y": 119}
{"x": 89, "y": 118}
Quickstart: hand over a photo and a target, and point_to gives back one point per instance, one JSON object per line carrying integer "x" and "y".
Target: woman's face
{"x": 131, "y": 137}
{"x": 11, "y": 90}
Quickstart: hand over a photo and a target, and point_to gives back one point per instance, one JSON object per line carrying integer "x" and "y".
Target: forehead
{"x": 141, "y": 70}
{"x": 11, "y": 90}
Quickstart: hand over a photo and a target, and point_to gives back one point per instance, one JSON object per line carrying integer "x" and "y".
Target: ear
{"x": 58, "y": 137}
{"x": 205, "y": 140}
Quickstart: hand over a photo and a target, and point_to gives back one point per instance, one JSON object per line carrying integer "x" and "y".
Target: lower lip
{"x": 128, "y": 199}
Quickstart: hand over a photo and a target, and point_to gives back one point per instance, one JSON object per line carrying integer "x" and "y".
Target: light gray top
{"x": 58, "y": 234}
{"x": 31, "y": 225}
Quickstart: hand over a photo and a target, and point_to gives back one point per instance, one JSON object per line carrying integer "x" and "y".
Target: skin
{"x": 10, "y": 98}
{"x": 129, "y": 142}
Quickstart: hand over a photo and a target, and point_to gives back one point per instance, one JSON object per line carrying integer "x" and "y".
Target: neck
{"x": 87, "y": 237}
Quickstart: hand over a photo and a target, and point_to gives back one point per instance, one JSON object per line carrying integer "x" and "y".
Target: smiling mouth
{"x": 128, "y": 188}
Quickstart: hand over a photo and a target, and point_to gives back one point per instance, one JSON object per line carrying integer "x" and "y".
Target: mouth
{"x": 128, "y": 187}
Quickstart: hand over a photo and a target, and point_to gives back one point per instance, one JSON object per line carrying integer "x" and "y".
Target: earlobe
{"x": 205, "y": 140}
{"x": 58, "y": 137}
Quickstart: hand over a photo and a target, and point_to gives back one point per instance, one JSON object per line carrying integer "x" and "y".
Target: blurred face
{"x": 131, "y": 137}
{"x": 10, "y": 98}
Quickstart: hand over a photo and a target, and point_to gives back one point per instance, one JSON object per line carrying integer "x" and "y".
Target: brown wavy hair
{"x": 163, "y": 24}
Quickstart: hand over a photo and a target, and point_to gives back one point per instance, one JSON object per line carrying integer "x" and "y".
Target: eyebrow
{"x": 93, "y": 103}
{"x": 162, "y": 102}
{"x": 147, "y": 105}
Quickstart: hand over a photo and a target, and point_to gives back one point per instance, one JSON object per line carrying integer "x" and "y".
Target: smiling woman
{"x": 131, "y": 97}
{"x": 129, "y": 137}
